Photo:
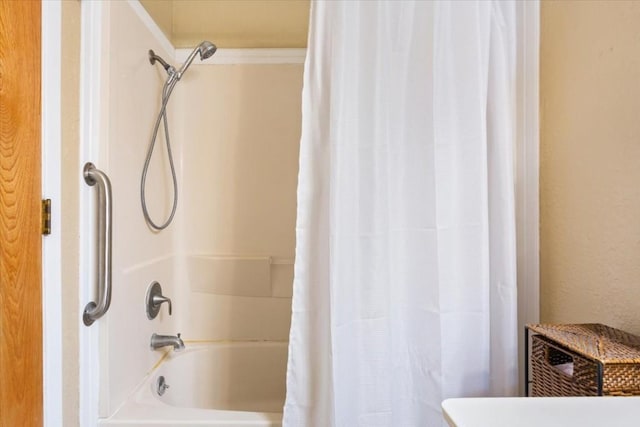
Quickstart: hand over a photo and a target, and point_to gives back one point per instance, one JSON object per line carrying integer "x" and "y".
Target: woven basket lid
{"x": 594, "y": 341}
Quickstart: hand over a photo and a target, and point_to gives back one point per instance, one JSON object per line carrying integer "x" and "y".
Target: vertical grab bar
{"x": 93, "y": 310}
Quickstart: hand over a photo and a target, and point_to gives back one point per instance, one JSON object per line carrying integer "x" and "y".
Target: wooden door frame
{"x": 43, "y": 25}
{"x": 51, "y": 53}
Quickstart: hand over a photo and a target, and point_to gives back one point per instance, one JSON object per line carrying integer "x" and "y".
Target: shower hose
{"x": 162, "y": 116}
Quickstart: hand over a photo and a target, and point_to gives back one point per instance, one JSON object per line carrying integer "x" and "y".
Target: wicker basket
{"x": 584, "y": 360}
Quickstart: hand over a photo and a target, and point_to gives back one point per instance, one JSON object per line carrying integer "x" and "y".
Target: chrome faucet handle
{"x": 154, "y": 300}
{"x": 157, "y": 300}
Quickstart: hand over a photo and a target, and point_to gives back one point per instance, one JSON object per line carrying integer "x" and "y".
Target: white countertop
{"x": 543, "y": 411}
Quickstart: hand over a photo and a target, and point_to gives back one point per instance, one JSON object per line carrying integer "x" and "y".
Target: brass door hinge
{"x": 46, "y": 217}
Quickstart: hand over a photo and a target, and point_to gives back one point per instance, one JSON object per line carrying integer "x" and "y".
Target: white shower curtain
{"x": 405, "y": 278}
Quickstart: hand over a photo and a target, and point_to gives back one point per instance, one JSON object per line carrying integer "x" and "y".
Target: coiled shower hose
{"x": 162, "y": 116}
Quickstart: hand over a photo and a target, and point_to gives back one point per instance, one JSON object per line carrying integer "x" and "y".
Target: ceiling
{"x": 233, "y": 23}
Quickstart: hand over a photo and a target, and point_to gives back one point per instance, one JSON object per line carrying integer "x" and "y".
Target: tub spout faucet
{"x": 159, "y": 341}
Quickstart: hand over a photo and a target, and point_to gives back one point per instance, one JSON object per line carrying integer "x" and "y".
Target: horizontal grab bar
{"x": 93, "y": 310}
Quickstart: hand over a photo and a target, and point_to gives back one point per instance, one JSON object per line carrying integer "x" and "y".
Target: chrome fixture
{"x": 205, "y": 49}
{"x": 154, "y": 300}
{"x": 161, "y": 385}
{"x": 153, "y": 58}
{"x": 159, "y": 341}
{"x": 94, "y": 311}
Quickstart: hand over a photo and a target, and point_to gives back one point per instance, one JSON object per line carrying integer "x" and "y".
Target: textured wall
{"x": 70, "y": 116}
{"x": 590, "y": 163}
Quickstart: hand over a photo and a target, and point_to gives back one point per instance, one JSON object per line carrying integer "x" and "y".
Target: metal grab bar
{"x": 94, "y": 311}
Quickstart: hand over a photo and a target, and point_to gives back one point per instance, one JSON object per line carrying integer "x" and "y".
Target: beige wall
{"x": 233, "y": 23}
{"x": 70, "y": 115}
{"x": 590, "y": 163}
{"x": 161, "y": 12}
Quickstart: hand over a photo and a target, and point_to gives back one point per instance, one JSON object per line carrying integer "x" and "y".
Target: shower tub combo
{"x": 239, "y": 383}
{"x": 214, "y": 383}
{"x": 210, "y": 384}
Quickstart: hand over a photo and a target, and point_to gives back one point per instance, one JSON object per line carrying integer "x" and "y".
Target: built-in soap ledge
{"x": 241, "y": 275}
{"x": 282, "y": 277}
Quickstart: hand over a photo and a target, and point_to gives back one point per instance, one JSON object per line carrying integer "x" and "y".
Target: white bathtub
{"x": 216, "y": 384}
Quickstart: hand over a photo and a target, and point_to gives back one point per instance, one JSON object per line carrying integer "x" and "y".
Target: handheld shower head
{"x": 206, "y": 49}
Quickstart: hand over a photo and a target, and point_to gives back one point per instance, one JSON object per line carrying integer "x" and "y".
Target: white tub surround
{"x": 543, "y": 411}
{"x": 226, "y": 261}
{"x": 211, "y": 384}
